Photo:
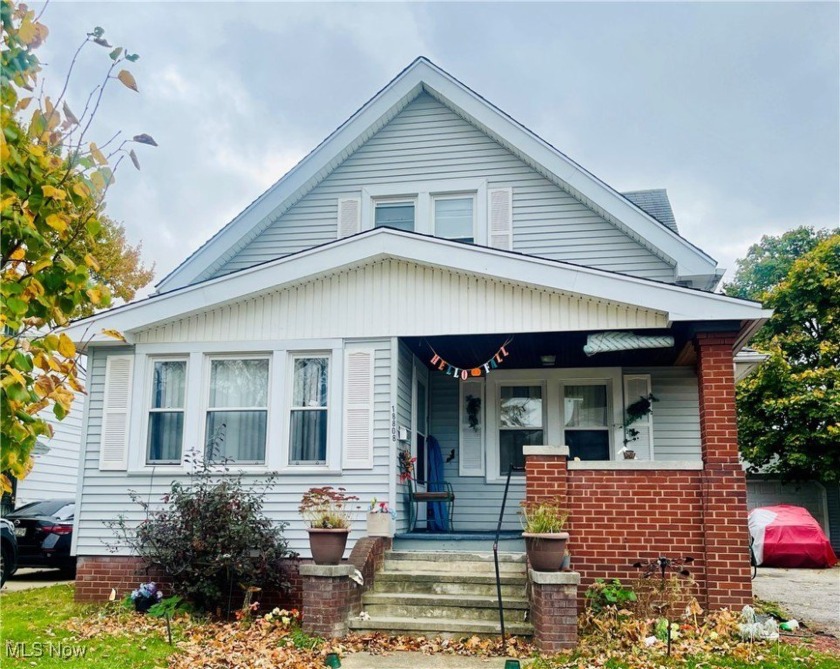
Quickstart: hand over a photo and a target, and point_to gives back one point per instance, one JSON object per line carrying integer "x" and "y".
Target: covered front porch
{"x": 544, "y": 390}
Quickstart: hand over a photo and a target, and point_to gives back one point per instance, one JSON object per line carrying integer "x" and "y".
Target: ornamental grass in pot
{"x": 545, "y": 541}
{"x": 328, "y": 513}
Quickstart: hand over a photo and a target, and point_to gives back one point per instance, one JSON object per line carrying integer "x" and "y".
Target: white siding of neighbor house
{"x": 56, "y": 473}
{"x": 428, "y": 141}
{"x": 400, "y": 298}
{"x": 105, "y": 494}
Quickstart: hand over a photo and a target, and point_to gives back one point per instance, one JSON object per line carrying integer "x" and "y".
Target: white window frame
{"x": 498, "y": 426}
{"x": 290, "y": 385}
{"x": 149, "y": 377}
{"x": 408, "y": 199}
{"x": 612, "y": 407}
{"x": 553, "y": 419}
{"x": 423, "y": 193}
{"x": 205, "y": 409}
{"x": 455, "y": 196}
{"x": 335, "y": 384}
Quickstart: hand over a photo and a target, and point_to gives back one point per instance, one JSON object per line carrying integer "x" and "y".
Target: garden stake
{"x": 662, "y": 564}
{"x": 168, "y": 628}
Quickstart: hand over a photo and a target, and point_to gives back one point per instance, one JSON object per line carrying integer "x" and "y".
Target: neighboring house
{"x": 314, "y": 332}
{"x": 56, "y": 469}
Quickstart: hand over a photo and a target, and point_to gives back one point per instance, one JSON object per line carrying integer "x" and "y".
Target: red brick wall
{"x": 545, "y": 477}
{"x": 96, "y": 575}
{"x": 621, "y": 517}
{"x": 725, "y": 487}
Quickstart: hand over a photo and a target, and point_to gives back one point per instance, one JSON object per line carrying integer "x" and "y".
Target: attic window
{"x": 395, "y": 214}
{"x": 455, "y": 217}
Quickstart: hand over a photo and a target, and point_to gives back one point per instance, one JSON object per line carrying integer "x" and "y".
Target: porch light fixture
{"x": 548, "y": 360}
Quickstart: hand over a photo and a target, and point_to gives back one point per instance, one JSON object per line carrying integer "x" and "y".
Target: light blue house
{"x": 350, "y": 311}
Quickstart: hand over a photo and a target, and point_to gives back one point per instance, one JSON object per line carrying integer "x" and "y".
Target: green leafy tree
{"x": 789, "y": 409}
{"x": 768, "y": 262}
{"x": 54, "y": 181}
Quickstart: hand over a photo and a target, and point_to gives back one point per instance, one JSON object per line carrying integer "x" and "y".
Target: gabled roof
{"x": 679, "y": 303}
{"x": 422, "y": 75}
{"x": 656, "y": 203}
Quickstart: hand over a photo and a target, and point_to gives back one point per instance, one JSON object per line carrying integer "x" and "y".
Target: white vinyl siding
{"x": 428, "y": 141}
{"x": 105, "y": 492}
{"x": 396, "y": 298}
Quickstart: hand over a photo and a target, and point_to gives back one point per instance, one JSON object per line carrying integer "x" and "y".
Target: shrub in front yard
{"x": 210, "y": 537}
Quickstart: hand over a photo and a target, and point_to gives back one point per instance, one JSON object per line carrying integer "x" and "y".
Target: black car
{"x": 44, "y": 532}
{"x": 8, "y": 550}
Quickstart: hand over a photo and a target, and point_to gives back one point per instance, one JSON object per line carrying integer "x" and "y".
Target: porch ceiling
{"x": 468, "y": 351}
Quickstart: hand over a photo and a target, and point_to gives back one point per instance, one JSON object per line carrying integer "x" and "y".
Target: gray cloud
{"x": 732, "y": 107}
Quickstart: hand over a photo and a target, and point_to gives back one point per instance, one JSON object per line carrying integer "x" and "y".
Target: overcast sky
{"x": 734, "y": 108}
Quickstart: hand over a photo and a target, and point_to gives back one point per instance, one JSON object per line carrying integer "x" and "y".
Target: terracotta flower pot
{"x": 546, "y": 551}
{"x": 327, "y": 546}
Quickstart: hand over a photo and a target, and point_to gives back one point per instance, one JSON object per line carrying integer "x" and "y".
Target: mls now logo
{"x": 22, "y": 649}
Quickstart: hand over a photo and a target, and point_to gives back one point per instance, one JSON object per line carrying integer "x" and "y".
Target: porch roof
{"x": 673, "y": 303}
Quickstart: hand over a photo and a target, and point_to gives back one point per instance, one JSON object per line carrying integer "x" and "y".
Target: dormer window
{"x": 455, "y": 217}
{"x": 397, "y": 214}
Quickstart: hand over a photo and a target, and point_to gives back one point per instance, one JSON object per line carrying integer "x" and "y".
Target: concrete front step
{"x": 470, "y": 563}
{"x": 403, "y": 605}
{"x": 442, "y": 583}
{"x": 443, "y": 627}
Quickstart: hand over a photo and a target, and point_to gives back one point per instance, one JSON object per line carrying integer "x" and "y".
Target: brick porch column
{"x": 329, "y": 598}
{"x": 545, "y": 472}
{"x": 725, "y": 533}
{"x": 554, "y": 609}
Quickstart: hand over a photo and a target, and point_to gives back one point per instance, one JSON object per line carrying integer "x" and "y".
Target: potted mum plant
{"x": 380, "y": 519}
{"x": 328, "y": 512}
{"x": 545, "y": 541}
{"x": 146, "y": 596}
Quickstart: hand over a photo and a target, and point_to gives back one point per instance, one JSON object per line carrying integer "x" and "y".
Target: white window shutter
{"x": 358, "y": 408}
{"x": 471, "y": 439}
{"x": 500, "y": 212}
{"x": 349, "y": 216}
{"x": 637, "y": 386}
{"x": 116, "y": 412}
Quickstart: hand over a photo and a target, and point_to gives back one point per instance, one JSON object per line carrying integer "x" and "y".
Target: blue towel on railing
{"x": 437, "y": 512}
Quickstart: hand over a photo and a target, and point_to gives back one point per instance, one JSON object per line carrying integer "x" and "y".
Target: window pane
{"x": 239, "y": 383}
{"x": 236, "y": 435}
{"x": 308, "y": 438}
{"x": 169, "y": 383}
{"x": 311, "y": 376}
{"x": 454, "y": 218}
{"x": 585, "y": 406}
{"x": 520, "y": 406}
{"x": 510, "y": 447}
{"x": 588, "y": 444}
{"x": 398, "y": 215}
{"x": 166, "y": 431}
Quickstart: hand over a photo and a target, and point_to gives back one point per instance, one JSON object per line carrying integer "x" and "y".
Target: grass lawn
{"x": 41, "y": 616}
{"x": 44, "y": 627}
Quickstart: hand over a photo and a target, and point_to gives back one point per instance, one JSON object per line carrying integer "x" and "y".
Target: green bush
{"x": 210, "y": 537}
{"x": 602, "y": 594}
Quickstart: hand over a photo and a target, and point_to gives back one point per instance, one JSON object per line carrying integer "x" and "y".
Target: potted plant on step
{"x": 328, "y": 512}
{"x": 380, "y": 519}
{"x": 545, "y": 542}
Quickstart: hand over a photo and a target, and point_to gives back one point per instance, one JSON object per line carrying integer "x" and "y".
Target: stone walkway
{"x": 420, "y": 661}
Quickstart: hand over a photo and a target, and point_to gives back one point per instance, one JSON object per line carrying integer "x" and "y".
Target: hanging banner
{"x": 479, "y": 370}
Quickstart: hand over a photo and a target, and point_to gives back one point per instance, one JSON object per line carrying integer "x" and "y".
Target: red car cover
{"x": 788, "y": 536}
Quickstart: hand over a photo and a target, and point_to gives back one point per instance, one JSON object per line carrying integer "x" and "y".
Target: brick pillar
{"x": 329, "y": 598}
{"x": 725, "y": 534}
{"x": 554, "y": 609}
{"x": 545, "y": 472}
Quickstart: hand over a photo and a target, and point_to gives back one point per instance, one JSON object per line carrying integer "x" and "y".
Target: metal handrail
{"x": 511, "y": 469}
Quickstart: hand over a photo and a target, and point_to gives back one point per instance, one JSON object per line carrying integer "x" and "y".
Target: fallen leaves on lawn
{"x": 377, "y": 643}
